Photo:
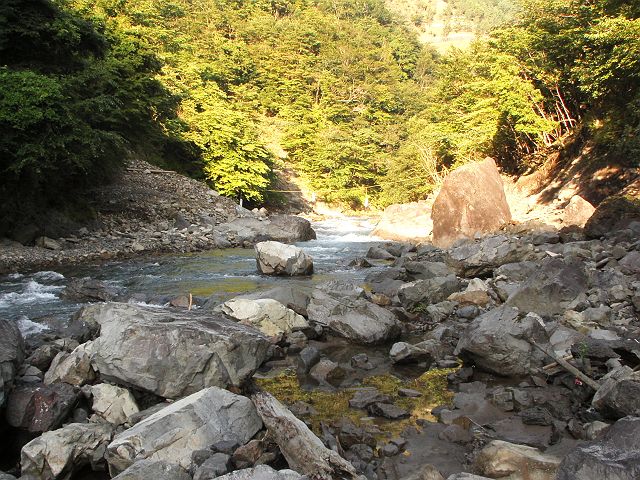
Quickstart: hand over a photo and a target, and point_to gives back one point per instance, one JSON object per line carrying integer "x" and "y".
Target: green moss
{"x": 332, "y": 406}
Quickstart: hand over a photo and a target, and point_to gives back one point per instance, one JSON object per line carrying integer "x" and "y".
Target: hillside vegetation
{"x": 341, "y": 91}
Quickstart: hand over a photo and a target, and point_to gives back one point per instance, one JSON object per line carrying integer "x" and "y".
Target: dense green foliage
{"x": 340, "y": 90}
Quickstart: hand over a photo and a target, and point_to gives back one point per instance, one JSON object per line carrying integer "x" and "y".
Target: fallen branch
{"x": 567, "y": 366}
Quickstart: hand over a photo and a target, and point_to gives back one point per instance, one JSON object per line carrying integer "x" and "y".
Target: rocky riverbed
{"x": 513, "y": 355}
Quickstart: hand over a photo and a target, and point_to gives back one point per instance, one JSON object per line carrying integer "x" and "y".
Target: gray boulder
{"x": 261, "y": 472}
{"x": 615, "y": 456}
{"x": 476, "y": 259}
{"x": 471, "y": 201}
{"x": 403, "y": 352}
{"x": 278, "y": 228}
{"x": 59, "y": 453}
{"x": 172, "y": 353}
{"x": 554, "y": 285}
{"x": 83, "y": 290}
{"x": 275, "y": 258}
{"x": 498, "y": 342}
{"x": 11, "y": 355}
{"x": 354, "y": 318}
{"x": 619, "y": 394}
{"x": 153, "y": 469}
{"x": 38, "y": 408}
{"x": 428, "y": 292}
{"x": 192, "y": 423}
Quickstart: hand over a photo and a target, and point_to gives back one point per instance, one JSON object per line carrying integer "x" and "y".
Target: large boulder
{"x": 515, "y": 462}
{"x": 275, "y": 258}
{"x": 407, "y": 221}
{"x": 38, "y": 408}
{"x": 156, "y": 470}
{"x": 615, "y": 456}
{"x": 471, "y": 200}
{"x": 498, "y": 341}
{"x": 11, "y": 355}
{"x": 193, "y": 423}
{"x": 349, "y": 315}
{"x": 172, "y": 353}
{"x": 59, "y": 453}
{"x": 552, "y": 287}
{"x": 619, "y": 394}
{"x": 278, "y": 228}
{"x": 427, "y": 292}
{"x": 614, "y": 213}
{"x": 269, "y": 316}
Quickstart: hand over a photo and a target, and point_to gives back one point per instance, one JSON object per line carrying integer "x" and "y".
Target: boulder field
{"x": 511, "y": 355}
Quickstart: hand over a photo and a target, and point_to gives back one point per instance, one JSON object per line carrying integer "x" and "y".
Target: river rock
{"x": 278, "y": 228}
{"x": 387, "y": 410}
{"x": 172, "y": 353}
{"x": 295, "y": 297}
{"x": 192, "y": 423}
{"x": 479, "y": 258}
{"x": 11, "y": 355}
{"x": 471, "y": 201}
{"x": 379, "y": 253}
{"x": 497, "y": 341}
{"x": 83, "y": 290}
{"x": 58, "y": 453}
{"x": 427, "y": 292}
{"x": 261, "y": 472}
{"x": 274, "y": 258}
{"x": 615, "y": 456}
{"x": 38, "y": 408}
{"x": 368, "y": 396}
{"x": 73, "y": 368}
{"x": 403, "y": 352}
{"x": 153, "y": 469}
{"x": 407, "y": 221}
{"x": 619, "y": 394}
{"x": 269, "y": 316}
{"x": 113, "y": 404}
{"x": 516, "y": 462}
{"x": 356, "y": 319}
{"x": 552, "y": 288}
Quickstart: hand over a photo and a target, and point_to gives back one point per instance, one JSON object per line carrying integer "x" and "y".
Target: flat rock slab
{"x": 153, "y": 470}
{"x": 193, "y": 423}
{"x": 172, "y": 353}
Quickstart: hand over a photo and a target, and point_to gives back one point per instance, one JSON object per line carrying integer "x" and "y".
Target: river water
{"x": 34, "y": 300}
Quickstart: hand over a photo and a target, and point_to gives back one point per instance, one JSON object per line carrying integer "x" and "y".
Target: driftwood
{"x": 304, "y": 452}
{"x": 567, "y": 366}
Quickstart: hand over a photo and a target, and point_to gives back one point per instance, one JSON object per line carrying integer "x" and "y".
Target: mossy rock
{"x": 614, "y": 213}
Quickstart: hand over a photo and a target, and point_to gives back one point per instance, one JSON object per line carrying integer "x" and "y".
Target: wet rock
{"x": 173, "y": 353}
{"x": 274, "y": 258}
{"x": 356, "y": 319}
{"x": 387, "y": 410}
{"x": 474, "y": 259}
{"x": 619, "y": 393}
{"x": 60, "y": 452}
{"x": 113, "y": 404}
{"x": 616, "y": 455}
{"x": 269, "y": 316}
{"x": 261, "y": 472}
{"x": 471, "y": 200}
{"x": 577, "y": 212}
{"x": 433, "y": 290}
{"x": 327, "y": 372}
{"x": 73, "y": 368}
{"x": 498, "y": 341}
{"x": 194, "y": 422}
{"x": 551, "y": 289}
{"x": 368, "y": 396}
{"x": 517, "y": 462}
{"x": 213, "y": 467}
{"x": 39, "y": 408}
{"x": 11, "y": 355}
{"x": 361, "y": 361}
{"x": 153, "y": 469}
{"x": 402, "y": 352}
{"x": 83, "y": 290}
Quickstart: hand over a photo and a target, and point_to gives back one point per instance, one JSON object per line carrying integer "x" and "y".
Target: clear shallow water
{"x": 34, "y": 300}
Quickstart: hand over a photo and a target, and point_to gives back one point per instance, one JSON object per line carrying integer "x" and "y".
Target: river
{"x": 34, "y": 300}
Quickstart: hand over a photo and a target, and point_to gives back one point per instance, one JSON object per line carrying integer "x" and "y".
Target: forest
{"x": 340, "y": 91}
